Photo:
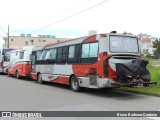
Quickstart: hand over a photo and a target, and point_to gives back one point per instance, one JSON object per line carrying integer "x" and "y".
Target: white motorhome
{"x": 3, "y": 51}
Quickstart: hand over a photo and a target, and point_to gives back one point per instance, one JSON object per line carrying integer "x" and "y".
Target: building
{"x": 17, "y": 42}
{"x": 147, "y": 44}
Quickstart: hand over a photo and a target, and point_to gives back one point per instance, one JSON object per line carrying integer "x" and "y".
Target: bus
{"x": 86, "y": 62}
{"x": 18, "y": 62}
{"x": 3, "y": 51}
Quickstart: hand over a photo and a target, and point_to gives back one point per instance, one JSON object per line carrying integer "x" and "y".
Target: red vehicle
{"x": 18, "y": 62}
{"x": 87, "y": 61}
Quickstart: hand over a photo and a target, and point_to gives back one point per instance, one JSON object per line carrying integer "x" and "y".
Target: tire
{"x": 39, "y": 79}
{"x": 74, "y": 83}
{"x": 17, "y": 75}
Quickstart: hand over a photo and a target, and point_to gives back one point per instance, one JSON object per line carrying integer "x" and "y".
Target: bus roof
{"x": 84, "y": 39}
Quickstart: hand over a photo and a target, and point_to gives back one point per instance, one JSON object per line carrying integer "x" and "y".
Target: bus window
{"x": 93, "y": 52}
{"x": 5, "y": 50}
{"x": 89, "y": 50}
{"x": 85, "y": 51}
{"x": 44, "y": 53}
{"x": 59, "y": 54}
{"x": 21, "y": 56}
{"x": 119, "y": 44}
{"x": 62, "y": 54}
{"x": 89, "y": 53}
{"x": 33, "y": 59}
{"x": 71, "y": 52}
{"x": 48, "y": 55}
{"x": 74, "y": 54}
{"x": 65, "y": 51}
{"x": 38, "y": 55}
{"x": 53, "y": 54}
{"x": 7, "y": 57}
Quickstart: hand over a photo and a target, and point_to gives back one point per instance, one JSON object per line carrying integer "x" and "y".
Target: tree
{"x": 156, "y": 45}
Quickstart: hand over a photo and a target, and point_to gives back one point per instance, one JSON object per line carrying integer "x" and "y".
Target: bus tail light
{"x": 112, "y": 73}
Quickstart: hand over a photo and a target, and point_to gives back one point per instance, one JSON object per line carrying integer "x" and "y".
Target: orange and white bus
{"x": 18, "y": 62}
{"x": 86, "y": 62}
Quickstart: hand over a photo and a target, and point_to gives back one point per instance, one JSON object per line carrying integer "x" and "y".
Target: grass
{"x": 152, "y": 89}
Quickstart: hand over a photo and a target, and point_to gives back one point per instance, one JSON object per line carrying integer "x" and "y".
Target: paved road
{"x": 28, "y": 95}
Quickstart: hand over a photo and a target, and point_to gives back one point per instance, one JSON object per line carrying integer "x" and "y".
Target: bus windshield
{"x": 123, "y": 44}
{"x": 5, "y": 50}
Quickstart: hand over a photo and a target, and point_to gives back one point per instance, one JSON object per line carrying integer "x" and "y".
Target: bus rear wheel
{"x": 74, "y": 83}
{"x": 40, "y": 79}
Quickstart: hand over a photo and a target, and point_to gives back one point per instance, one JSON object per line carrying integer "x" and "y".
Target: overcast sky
{"x": 27, "y": 16}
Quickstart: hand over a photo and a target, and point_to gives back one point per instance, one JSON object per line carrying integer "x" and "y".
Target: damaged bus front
{"x": 125, "y": 66}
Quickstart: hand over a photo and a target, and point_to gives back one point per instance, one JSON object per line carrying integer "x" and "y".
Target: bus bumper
{"x": 134, "y": 84}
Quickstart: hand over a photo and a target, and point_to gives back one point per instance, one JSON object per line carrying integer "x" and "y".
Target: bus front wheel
{"x": 74, "y": 83}
{"x": 40, "y": 79}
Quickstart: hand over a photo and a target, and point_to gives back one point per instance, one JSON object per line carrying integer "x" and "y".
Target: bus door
{"x": 33, "y": 59}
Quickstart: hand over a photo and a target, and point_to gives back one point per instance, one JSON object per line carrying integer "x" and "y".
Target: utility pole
{"x": 8, "y": 36}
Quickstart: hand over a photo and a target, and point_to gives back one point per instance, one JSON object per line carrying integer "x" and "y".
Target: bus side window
{"x": 59, "y": 55}
{"x": 44, "y": 53}
{"x": 38, "y": 56}
{"x": 89, "y": 52}
{"x": 43, "y": 56}
{"x": 52, "y": 56}
{"x": 33, "y": 58}
{"x": 21, "y": 56}
{"x": 48, "y": 55}
{"x": 62, "y": 53}
{"x": 71, "y": 54}
{"x": 74, "y": 53}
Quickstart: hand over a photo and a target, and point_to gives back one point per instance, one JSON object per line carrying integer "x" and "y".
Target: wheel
{"x": 74, "y": 83}
{"x": 39, "y": 80}
{"x": 17, "y": 75}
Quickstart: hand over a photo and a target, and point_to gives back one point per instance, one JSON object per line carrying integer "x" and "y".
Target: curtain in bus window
{"x": 44, "y": 53}
{"x": 72, "y": 52}
{"x": 85, "y": 51}
{"x": 53, "y": 54}
{"x": 38, "y": 55}
{"x": 48, "y": 55}
{"x": 93, "y": 52}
